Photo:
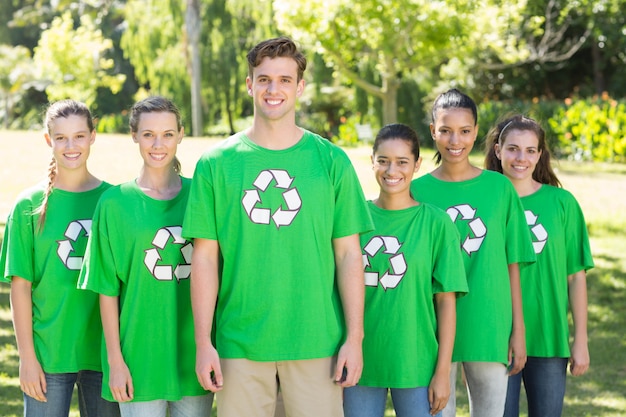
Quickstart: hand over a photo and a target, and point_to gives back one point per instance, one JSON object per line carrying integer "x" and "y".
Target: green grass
{"x": 600, "y": 189}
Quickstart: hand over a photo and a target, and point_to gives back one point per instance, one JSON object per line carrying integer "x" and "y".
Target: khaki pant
{"x": 307, "y": 387}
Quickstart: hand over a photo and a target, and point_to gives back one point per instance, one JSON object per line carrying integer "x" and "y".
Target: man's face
{"x": 275, "y": 87}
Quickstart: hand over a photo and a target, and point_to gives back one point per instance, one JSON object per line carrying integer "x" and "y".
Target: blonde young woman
{"x": 140, "y": 265}
{"x": 517, "y": 148}
{"x": 57, "y": 326}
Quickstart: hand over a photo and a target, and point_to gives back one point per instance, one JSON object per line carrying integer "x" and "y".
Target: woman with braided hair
{"x": 57, "y": 326}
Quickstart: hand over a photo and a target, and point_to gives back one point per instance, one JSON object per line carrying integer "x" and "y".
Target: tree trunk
{"x": 390, "y": 100}
{"x": 193, "y": 24}
{"x": 596, "y": 60}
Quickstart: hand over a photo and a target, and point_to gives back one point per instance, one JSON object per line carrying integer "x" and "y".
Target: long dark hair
{"x": 398, "y": 131}
{"x": 543, "y": 172}
{"x": 453, "y": 99}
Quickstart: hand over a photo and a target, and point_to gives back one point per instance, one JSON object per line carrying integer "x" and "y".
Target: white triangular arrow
{"x": 250, "y": 198}
{"x": 283, "y": 180}
{"x": 284, "y": 217}
{"x": 263, "y": 180}
{"x": 398, "y": 264}
{"x": 292, "y": 198}
{"x": 373, "y": 246}
{"x": 390, "y": 281}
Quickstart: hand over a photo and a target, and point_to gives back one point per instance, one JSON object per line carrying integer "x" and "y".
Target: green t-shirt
{"x": 66, "y": 322}
{"x": 489, "y": 216}
{"x": 136, "y": 252}
{"x": 411, "y": 255}
{"x": 275, "y": 214}
{"x": 561, "y": 243}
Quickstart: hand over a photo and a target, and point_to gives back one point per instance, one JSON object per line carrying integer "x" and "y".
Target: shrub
{"x": 592, "y": 129}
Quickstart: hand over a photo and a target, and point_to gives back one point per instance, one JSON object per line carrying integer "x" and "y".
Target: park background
{"x": 371, "y": 62}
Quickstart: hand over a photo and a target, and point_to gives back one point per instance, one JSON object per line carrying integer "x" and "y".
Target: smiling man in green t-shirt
{"x": 276, "y": 212}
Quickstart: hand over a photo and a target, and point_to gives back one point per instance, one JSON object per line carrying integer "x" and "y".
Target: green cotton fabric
{"x": 136, "y": 252}
{"x": 411, "y": 255}
{"x": 275, "y": 214}
{"x": 67, "y": 330}
{"x": 489, "y": 216}
{"x": 561, "y": 243}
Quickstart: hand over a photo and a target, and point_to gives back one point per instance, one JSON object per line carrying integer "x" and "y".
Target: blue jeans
{"x": 544, "y": 382}
{"x": 197, "y": 406}
{"x": 59, "y": 396}
{"x": 359, "y": 401}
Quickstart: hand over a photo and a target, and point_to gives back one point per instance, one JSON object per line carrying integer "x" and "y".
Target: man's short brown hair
{"x": 282, "y": 47}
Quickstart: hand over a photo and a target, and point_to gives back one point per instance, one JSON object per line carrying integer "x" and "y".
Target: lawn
{"x": 600, "y": 189}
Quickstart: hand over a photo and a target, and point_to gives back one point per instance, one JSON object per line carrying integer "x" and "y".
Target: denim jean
{"x": 196, "y": 406}
{"x": 59, "y": 396}
{"x": 544, "y": 382}
{"x": 486, "y": 389}
{"x": 359, "y": 401}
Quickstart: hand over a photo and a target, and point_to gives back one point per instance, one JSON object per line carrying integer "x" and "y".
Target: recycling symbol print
{"x": 166, "y": 272}
{"x": 392, "y": 276}
{"x": 540, "y": 235}
{"x": 252, "y": 199}
{"x": 74, "y": 231}
{"x": 478, "y": 230}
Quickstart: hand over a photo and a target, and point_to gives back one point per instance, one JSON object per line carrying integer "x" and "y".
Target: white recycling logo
{"x": 467, "y": 212}
{"x": 65, "y": 249}
{"x": 252, "y": 198}
{"x": 169, "y": 272}
{"x": 540, "y": 234}
{"x": 392, "y": 276}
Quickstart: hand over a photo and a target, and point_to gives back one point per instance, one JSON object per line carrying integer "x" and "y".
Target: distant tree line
{"x": 371, "y": 62}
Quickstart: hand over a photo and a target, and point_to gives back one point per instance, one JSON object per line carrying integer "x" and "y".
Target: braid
{"x": 41, "y": 210}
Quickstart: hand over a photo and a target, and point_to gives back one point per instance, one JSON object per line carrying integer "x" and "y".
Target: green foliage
{"x": 73, "y": 60}
{"x": 154, "y": 43}
{"x": 113, "y": 123}
{"x": 592, "y": 129}
{"x": 348, "y": 134}
{"x": 492, "y": 112}
{"x": 15, "y": 74}
{"x": 395, "y": 39}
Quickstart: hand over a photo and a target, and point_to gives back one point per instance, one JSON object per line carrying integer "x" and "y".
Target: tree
{"x": 233, "y": 27}
{"x": 397, "y": 38}
{"x": 72, "y": 61}
{"x": 15, "y": 73}
{"x": 154, "y": 43}
{"x": 193, "y": 26}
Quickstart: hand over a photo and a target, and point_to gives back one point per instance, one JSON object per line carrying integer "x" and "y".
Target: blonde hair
{"x": 58, "y": 110}
{"x": 155, "y": 104}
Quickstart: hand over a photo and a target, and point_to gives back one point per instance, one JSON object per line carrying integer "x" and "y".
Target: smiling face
{"x": 158, "y": 137}
{"x": 70, "y": 140}
{"x": 454, "y": 131}
{"x": 394, "y": 165}
{"x": 274, "y": 86}
{"x": 519, "y": 154}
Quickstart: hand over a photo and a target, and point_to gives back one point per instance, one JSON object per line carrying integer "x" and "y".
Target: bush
{"x": 113, "y": 123}
{"x": 592, "y": 129}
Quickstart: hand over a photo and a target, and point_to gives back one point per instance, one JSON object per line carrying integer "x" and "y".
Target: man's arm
{"x": 349, "y": 267}
{"x": 204, "y": 288}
